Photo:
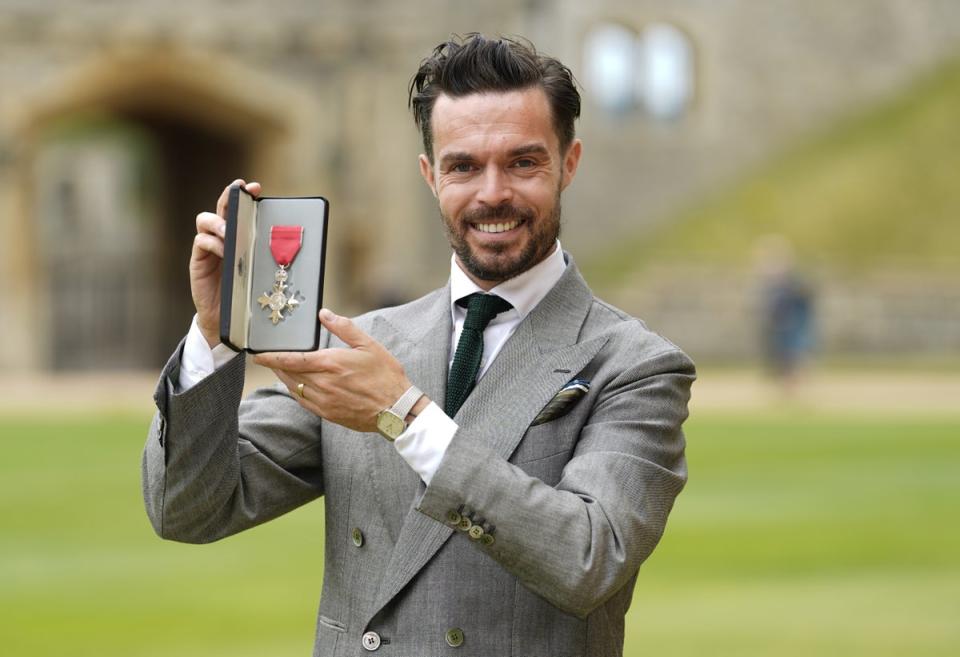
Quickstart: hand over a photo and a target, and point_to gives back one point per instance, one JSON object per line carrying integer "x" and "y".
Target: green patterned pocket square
{"x": 562, "y": 402}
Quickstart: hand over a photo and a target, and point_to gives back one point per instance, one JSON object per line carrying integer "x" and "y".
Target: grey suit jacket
{"x": 573, "y": 505}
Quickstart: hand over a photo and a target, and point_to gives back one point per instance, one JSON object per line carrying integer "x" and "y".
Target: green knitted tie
{"x": 481, "y": 308}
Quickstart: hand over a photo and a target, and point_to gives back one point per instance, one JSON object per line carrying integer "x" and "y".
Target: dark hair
{"x": 476, "y": 64}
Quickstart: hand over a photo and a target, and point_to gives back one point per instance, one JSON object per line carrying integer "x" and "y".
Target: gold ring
{"x": 300, "y": 391}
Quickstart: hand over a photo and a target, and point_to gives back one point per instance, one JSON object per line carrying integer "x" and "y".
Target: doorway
{"x": 116, "y": 196}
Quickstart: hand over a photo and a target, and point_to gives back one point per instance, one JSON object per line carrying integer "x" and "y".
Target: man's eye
{"x": 462, "y": 167}
{"x": 525, "y": 163}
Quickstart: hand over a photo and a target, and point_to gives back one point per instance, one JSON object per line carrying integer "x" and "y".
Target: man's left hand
{"x": 346, "y": 386}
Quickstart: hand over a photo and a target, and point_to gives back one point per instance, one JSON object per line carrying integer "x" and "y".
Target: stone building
{"x": 119, "y": 121}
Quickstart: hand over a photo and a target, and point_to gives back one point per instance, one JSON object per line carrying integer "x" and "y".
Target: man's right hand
{"x": 206, "y": 264}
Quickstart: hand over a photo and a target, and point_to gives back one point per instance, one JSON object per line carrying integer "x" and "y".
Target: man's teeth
{"x": 497, "y": 228}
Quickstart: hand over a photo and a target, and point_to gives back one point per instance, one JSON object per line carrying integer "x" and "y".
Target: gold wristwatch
{"x": 392, "y": 422}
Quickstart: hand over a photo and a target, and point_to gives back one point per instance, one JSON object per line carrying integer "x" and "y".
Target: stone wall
{"x": 716, "y": 314}
{"x": 310, "y": 97}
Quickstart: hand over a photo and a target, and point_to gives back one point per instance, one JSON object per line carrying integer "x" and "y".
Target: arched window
{"x": 650, "y": 72}
{"x": 664, "y": 71}
{"x": 610, "y": 66}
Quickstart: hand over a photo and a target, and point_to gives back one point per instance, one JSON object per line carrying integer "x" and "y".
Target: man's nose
{"x": 494, "y": 188}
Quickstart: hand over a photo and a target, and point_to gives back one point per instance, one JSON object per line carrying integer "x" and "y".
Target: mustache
{"x": 499, "y": 212}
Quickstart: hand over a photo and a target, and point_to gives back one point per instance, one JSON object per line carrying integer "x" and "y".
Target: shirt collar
{"x": 523, "y": 291}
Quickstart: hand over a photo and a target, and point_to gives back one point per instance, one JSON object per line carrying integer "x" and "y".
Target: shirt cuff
{"x": 425, "y": 441}
{"x": 198, "y": 360}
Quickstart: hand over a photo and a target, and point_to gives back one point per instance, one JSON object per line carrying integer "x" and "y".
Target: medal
{"x": 285, "y": 243}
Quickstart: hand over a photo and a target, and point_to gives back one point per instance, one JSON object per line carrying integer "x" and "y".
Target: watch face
{"x": 390, "y": 425}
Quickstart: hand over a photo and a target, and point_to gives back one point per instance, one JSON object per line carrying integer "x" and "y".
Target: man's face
{"x": 497, "y": 175}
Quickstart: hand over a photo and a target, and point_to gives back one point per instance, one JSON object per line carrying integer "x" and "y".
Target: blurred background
{"x": 775, "y": 186}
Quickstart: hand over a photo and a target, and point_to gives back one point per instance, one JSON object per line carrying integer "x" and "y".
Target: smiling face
{"x": 497, "y": 173}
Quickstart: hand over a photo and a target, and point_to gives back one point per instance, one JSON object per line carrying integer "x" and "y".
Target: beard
{"x": 495, "y": 264}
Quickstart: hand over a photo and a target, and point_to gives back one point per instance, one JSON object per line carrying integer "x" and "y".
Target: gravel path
{"x": 715, "y": 390}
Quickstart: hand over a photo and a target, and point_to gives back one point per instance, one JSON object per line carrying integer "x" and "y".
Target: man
{"x": 510, "y": 506}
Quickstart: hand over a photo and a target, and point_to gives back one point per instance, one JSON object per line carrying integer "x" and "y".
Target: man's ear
{"x": 570, "y": 162}
{"x": 426, "y": 170}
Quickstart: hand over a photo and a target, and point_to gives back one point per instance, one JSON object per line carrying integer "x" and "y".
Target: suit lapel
{"x": 540, "y": 357}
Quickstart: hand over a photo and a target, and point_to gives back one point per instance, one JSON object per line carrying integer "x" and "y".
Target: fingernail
{"x": 327, "y": 315}
{"x": 222, "y": 229}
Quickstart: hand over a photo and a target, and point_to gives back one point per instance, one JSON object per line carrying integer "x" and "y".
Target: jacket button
{"x": 475, "y": 532}
{"x": 454, "y": 637}
{"x": 487, "y": 539}
{"x": 453, "y": 517}
{"x": 370, "y": 641}
{"x": 357, "y": 536}
{"x": 464, "y": 524}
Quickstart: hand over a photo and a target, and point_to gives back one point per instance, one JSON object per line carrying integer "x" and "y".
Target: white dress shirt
{"x": 425, "y": 441}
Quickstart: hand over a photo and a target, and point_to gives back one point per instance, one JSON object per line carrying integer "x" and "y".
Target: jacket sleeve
{"x": 579, "y": 542}
{"x": 203, "y": 478}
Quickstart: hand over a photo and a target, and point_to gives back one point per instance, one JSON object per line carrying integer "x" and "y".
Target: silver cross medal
{"x": 277, "y": 300}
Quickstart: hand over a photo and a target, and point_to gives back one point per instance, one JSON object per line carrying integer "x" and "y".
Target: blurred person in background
{"x": 496, "y": 458}
{"x": 786, "y": 311}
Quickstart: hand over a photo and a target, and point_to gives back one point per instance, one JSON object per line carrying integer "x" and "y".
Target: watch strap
{"x": 406, "y": 402}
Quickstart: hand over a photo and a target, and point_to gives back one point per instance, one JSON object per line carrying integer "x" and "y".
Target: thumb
{"x": 343, "y": 328}
{"x": 254, "y": 188}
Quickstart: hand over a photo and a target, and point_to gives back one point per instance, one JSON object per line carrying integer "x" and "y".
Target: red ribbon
{"x": 285, "y": 243}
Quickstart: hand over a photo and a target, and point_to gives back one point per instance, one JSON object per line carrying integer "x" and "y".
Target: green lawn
{"x": 808, "y": 535}
{"x": 799, "y": 534}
